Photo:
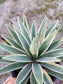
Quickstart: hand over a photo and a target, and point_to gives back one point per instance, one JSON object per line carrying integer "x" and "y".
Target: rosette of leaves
{"x": 35, "y": 54}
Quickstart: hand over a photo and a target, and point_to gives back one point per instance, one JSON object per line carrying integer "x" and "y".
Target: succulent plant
{"x": 36, "y": 54}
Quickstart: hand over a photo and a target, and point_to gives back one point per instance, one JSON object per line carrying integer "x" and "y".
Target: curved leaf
{"x": 17, "y": 58}
{"x": 51, "y": 28}
{"x": 12, "y": 42}
{"x": 42, "y": 30}
{"x": 47, "y": 78}
{"x": 23, "y": 74}
{"x": 25, "y": 23}
{"x": 11, "y": 67}
{"x": 54, "y": 53}
{"x": 48, "y": 59}
{"x": 47, "y": 42}
{"x": 24, "y": 30}
{"x": 54, "y": 67}
{"x": 5, "y": 61}
{"x": 55, "y": 44}
{"x": 12, "y": 32}
{"x": 55, "y": 74}
{"x": 11, "y": 49}
{"x": 37, "y": 72}
{"x": 60, "y": 57}
{"x": 23, "y": 41}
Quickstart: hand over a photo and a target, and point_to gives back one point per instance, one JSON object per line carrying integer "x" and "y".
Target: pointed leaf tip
{"x": 42, "y": 30}
{"x": 33, "y": 32}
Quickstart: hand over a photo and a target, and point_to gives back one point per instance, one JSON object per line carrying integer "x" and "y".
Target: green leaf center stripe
{"x": 54, "y": 67}
{"x": 54, "y": 53}
{"x": 17, "y": 58}
{"x": 23, "y": 30}
{"x": 23, "y": 73}
{"x": 12, "y": 32}
{"x": 11, "y": 49}
{"x": 48, "y": 59}
{"x": 11, "y": 67}
{"x": 37, "y": 72}
{"x": 47, "y": 42}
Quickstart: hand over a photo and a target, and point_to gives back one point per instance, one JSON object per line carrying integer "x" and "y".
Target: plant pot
{"x": 15, "y": 73}
{"x": 53, "y": 78}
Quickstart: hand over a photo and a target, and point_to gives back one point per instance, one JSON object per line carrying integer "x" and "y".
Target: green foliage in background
{"x": 2, "y": 1}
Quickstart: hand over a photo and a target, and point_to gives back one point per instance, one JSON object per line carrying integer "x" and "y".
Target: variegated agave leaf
{"x": 36, "y": 55}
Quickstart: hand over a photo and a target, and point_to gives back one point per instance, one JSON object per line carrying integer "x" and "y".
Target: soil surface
{"x": 34, "y": 10}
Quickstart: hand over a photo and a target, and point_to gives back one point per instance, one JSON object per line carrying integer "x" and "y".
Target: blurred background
{"x": 33, "y": 10}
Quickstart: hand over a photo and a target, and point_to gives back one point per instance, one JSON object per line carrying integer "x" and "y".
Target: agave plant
{"x": 36, "y": 54}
